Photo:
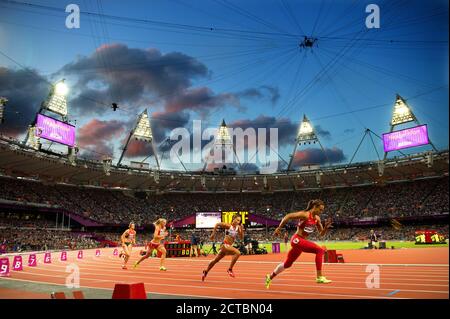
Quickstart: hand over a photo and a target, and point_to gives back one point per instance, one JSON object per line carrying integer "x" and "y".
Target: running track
{"x": 406, "y": 273}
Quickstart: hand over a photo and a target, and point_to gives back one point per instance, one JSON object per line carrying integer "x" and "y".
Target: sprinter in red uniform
{"x": 128, "y": 239}
{"x": 309, "y": 222}
{"x": 159, "y": 234}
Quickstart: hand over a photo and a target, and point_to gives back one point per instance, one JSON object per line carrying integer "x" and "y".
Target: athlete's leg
{"x": 313, "y": 248}
{"x": 128, "y": 254}
{"x": 292, "y": 256}
{"x": 163, "y": 252}
{"x": 235, "y": 253}
{"x": 147, "y": 255}
{"x": 219, "y": 256}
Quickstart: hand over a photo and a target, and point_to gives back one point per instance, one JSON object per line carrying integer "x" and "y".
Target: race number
{"x": 47, "y": 258}
{"x": 17, "y": 263}
{"x": 32, "y": 260}
{"x": 4, "y": 267}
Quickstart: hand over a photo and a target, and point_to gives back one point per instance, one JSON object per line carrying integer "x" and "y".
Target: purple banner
{"x": 54, "y": 130}
{"x": 410, "y": 137}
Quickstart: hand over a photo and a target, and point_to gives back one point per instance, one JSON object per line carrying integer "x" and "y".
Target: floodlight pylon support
{"x": 151, "y": 141}
{"x": 411, "y": 118}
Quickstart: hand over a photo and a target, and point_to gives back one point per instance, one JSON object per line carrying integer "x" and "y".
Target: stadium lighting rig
{"x": 403, "y": 114}
{"x": 306, "y": 135}
{"x": 223, "y": 142}
{"x": 56, "y": 101}
{"x": 142, "y": 131}
{"x": 48, "y": 127}
{"x": 3, "y": 101}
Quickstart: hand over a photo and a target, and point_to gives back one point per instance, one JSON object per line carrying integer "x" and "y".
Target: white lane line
{"x": 137, "y": 275}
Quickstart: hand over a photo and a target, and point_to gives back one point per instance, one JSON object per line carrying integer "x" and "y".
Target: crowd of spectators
{"x": 422, "y": 197}
{"x": 18, "y": 239}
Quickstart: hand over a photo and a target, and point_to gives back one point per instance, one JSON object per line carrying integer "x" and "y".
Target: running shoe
{"x": 230, "y": 272}
{"x": 204, "y": 275}
{"x": 322, "y": 280}
{"x": 162, "y": 268}
{"x": 268, "y": 281}
{"x": 124, "y": 267}
{"x": 135, "y": 265}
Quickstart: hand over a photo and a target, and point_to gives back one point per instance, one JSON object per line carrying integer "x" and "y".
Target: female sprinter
{"x": 128, "y": 239}
{"x": 231, "y": 232}
{"x": 309, "y": 221}
{"x": 159, "y": 234}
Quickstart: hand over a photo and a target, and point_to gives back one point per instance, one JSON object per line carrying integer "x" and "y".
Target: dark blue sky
{"x": 248, "y": 69}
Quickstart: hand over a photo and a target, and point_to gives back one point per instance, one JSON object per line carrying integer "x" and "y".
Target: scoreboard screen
{"x": 227, "y": 216}
{"x": 429, "y": 237}
{"x": 207, "y": 220}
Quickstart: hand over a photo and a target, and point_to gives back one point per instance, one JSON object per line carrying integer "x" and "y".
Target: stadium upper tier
{"x": 22, "y": 161}
{"x": 426, "y": 197}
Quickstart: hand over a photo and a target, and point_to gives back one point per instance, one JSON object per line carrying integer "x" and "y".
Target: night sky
{"x": 225, "y": 59}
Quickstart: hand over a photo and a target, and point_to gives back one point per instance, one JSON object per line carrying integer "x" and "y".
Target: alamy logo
{"x": 73, "y": 279}
{"x": 373, "y": 279}
{"x": 373, "y": 19}
{"x": 226, "y": 146}
{"x": 73, "y": 19}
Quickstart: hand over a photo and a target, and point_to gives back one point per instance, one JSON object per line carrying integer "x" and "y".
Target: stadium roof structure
{"x": 18, "y": 160}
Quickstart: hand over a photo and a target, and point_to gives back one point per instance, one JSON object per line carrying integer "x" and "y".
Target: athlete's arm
{"x": 155, "y": 234}
{"x": 323, "y": 229}
{"x": 241, "y": 231}
{"x": 288, "y": 217}
{"x": 223, "y": 225}
{"x": 122, "y": 238}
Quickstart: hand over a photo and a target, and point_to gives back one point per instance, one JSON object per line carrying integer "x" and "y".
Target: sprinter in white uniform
{"x": 231, "y": 232}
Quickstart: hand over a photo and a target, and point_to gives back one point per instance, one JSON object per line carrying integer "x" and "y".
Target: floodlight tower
{"x": 306, "y": 134}
{"x": 402, "y": 114}
{"x": 223, "y": 142}
{"x": 141, "y": 132}
{"x": 56, "y": 104}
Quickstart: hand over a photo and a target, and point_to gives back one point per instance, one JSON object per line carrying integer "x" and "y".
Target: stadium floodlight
{"x": 61, "y": 88}
{"x": 306, "y": 131}
{"x": 402, "y": 112}
{"x": 223, "y": 136}
{"x": 305, "y": 135}
{"x": 143, "y": 130}
{"x": 56, "y": 100}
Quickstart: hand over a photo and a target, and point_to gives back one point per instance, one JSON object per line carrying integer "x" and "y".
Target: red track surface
{"x": 404, "y": 273}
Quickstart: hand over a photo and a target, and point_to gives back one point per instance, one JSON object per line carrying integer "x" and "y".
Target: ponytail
{"x": 314, "y": 203}
{"x": 160, "y": 221}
